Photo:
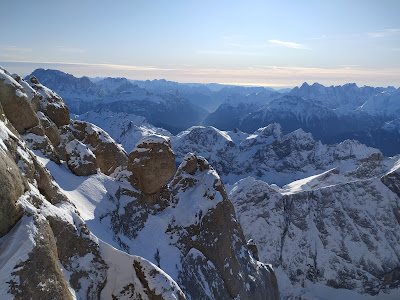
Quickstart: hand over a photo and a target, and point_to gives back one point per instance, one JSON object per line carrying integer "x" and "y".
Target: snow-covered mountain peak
{"x": 274, "y": 129}
{"x": 299, "y": 136}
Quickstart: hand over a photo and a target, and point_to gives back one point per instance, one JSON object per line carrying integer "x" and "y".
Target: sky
{"x": 269, "y": 43}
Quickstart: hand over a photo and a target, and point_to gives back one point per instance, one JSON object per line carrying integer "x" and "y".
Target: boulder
{"x": 16, "y": 104}
{"x": 37, "y": 140}
{"x": 109, "y": 154}
{"x": 51, "y": 104}
{"x": 152, "y": 163}
{"x": 80, "y": 159}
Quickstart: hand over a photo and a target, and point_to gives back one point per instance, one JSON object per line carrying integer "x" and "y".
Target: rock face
{"x": 50, "y": 128}
{"x": 12, "y": 186}
{"x": 152, "y": 163}
{"x": 81, "y": 161}
{"x": 341, "y": 230}
{"x": 392, "y": 180}
{"x": 15, "y": 103}
{"x": 109, "y": 155}
{"x": 50, "y": 103}
{"x": 41, "y": 273}
{"x": 220, "y": 226}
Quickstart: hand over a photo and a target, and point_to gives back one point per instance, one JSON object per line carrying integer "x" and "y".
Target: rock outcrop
{"x": 81, "y": 161}
{"x": 15, "y": 103}
{"x": 50, "y": 128}
{"x": 152, "y": 163}
{"x": 50, "y": 103}
{"x": 12, "y": 186}
{"x": 27, "y": 106}
{"x": 109, "y": 155}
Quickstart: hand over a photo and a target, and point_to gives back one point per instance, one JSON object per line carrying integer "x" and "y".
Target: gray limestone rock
{"x": 51, "y": 104}
{"x": 109, "y": 155}
{"x": 16, "y": 104}
{"x": 40, "y": 276}
{"x": 12, "y": 186}
{"x": 152, "y": 163}
{"x": 80, "y": 159}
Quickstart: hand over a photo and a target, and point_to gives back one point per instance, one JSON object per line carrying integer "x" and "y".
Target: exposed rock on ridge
{"x": 152, "y": 163}
{"x": 16, "y": 104}
{"x": 109, "y": 155}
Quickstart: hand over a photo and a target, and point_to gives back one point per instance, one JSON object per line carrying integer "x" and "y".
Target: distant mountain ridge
{"x": 170, "y": 111}
{"x": 332, "y": 114}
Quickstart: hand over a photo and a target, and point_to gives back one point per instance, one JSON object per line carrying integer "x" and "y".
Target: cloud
{"x": 288, "y": 44}
{"x": 383, "y": 33}
{"x": 234, "y": 44}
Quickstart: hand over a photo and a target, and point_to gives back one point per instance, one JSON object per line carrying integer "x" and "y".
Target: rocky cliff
{"x": 339, "y": 230}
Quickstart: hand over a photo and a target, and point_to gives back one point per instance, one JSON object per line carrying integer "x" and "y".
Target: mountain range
{"x": 104, "y": 204}
{"x": 331, "y": 114}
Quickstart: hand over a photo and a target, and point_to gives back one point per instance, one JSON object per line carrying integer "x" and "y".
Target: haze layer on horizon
{"x": 267, "y": 43}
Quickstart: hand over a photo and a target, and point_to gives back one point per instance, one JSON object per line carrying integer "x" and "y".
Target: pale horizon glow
{"x": 257, "y": 42}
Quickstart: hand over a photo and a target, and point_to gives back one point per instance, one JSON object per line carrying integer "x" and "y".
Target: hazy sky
{"x": 275, "y": 43}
